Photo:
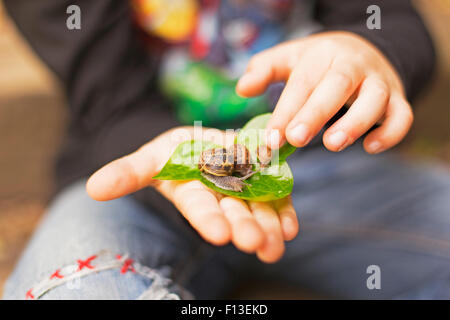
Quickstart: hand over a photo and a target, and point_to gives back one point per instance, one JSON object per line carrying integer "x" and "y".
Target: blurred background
{"x": 33, "y": 117}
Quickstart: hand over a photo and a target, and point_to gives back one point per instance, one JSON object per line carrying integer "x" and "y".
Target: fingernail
{"x": 300, "y": 134}
{"x": 338, "y": 139}
{"x": 374, "y": 146}
{"x": 273, "y": 139}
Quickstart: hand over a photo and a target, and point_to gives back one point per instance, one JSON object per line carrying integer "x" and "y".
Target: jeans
{"x": 355, "y": 211}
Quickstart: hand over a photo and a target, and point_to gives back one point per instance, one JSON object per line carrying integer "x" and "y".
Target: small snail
{"x": 218, "y": 166}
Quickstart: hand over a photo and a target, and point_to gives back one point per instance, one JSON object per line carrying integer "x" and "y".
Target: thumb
{"x": 125, "y": 175}
{"x": 264, "y": 68}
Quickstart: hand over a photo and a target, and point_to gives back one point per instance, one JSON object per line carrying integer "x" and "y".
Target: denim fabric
{"x": 355, "y": 210}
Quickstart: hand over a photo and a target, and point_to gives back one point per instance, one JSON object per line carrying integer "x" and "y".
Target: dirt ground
{"x": 33, "y": 118}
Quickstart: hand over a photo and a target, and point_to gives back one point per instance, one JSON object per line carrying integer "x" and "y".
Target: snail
{"x": 219, "y": 164}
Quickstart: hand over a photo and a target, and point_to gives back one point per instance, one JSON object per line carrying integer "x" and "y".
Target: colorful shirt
{"x": 209, "y": 45}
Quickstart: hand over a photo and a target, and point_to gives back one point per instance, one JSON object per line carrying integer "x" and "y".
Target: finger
{"x": 247, "y": 235}
{"x": 363, "y": 114}
{"x": 124, "y": 175}
{"x": 273, "y": 247}
{"x": 327, "y": 98}
{"x": 271, "y": 65}
{"x": 301, "y": 83}
{"x": 200, "y": 207}
{"x": 288, "y": 218}
{"x": 398, "y": 120}
{"x": 135, "y": 171}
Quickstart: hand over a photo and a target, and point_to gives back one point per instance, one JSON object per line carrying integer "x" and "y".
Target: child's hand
{"x": 260, "y": 227}
{"x": 323, "y": 72}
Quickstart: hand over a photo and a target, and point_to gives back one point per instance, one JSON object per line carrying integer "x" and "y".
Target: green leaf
{"x": 255, "y": 129}
{"x": 183, "y": 164}
{"x": 272, "y": 183}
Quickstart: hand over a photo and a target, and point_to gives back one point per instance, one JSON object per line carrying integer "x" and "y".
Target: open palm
{"x": 260, "y": 227}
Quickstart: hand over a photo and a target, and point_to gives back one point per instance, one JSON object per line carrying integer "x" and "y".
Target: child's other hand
{"x": 323, "y": 72}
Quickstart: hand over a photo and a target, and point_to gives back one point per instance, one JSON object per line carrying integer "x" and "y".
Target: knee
{"x": 101, "y": 277}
